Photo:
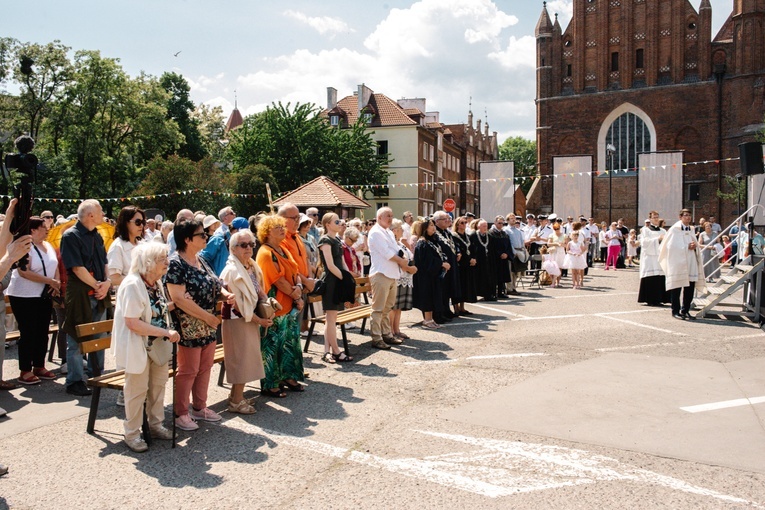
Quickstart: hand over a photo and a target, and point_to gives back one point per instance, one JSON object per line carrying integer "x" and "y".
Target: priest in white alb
{"x": 680, "y": 259}
{"x": 653, "y": 290}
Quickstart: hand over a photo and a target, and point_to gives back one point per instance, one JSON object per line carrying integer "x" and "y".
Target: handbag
{"x": 160, "y": 349}
{"x": 192, "y": 328}
{"x": 48, "y": 291}
{"x": 320, "y": 286}
{"x": 267, "y": 308}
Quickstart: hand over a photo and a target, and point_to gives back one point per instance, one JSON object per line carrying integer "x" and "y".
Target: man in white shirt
{"x": 568, "y": 227}
{"x": 539, "y": 238}
{"x": 151, "y": 229}
{"x": 383, "y": 276}
{"x": 520, "y": 256}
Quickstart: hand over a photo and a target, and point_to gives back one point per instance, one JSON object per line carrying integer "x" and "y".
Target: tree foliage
{"x": 298, "y": 146}
{"x": 180, "y": 108}
{"x": 523, "y": 153}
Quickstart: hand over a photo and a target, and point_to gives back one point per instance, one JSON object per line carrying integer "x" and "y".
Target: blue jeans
{"x": 75, "y": 371}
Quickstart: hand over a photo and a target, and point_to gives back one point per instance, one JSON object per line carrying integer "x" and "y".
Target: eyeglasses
{"x": 139, "y": 222}
{"x": 313, "y": 215}
{"x": 203, "y": 235}
{"x": 47, "y": 217}
{"x": 246, "y": 245}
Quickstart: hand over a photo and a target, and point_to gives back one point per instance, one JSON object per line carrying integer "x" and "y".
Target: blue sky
{"x": 292, "y": 50}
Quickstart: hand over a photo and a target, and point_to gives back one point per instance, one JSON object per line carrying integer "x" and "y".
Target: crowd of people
{"x": 246, "y": 281}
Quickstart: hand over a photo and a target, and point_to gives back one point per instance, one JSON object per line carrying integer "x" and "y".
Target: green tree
{"x": 180, "y": 108}
{"x": 212, "y": 129}
{"x": 523, "y": 153}
{"x": 175, "y": 174}
{"x": 109, "y": 124}
{"x": 44, "y": 85}
{"x": 298, "y": 145}
{"x": 252, "y": 180}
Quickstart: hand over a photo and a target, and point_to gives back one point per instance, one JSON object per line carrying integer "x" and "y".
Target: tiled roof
{"x": 322, "y": 192}
{"x": 235, "y": 120}
{"x": 389, "y": 113}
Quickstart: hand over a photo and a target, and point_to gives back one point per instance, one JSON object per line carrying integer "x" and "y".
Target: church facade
{"x": 647, "y": 76}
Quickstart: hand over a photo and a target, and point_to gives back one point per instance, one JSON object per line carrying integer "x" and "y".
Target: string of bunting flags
{"x": 521, "y": 178}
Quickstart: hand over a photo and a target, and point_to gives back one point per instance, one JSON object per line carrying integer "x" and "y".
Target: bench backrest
{"x": 8, "y": 310}
{"x": 363, "y": 286}
{"x": 94, "y": 328}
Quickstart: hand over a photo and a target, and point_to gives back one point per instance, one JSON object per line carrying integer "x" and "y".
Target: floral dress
{"x": 203, "y": 287}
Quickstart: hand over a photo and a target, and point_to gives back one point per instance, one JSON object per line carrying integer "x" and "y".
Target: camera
{"x": 26, "y": 163}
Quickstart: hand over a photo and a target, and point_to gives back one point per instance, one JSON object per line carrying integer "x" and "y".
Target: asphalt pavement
{"x": 558, "y": 398}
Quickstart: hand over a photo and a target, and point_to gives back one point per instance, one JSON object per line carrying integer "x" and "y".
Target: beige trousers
{"x": 383, "y": 299}
{"x": 149, "y": 387}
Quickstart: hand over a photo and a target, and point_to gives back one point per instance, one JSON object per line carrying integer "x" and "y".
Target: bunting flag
{"x": 517, "y": 179}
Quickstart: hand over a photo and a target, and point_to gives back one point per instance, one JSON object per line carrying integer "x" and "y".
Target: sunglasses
{"x": 340, "y": 222}
{"x": 313, "y": 215}
{"x": 47, "y": 217}
{"x": 139, "y": 222}
{"x": 201, "y": 234}
{"x": 246, "y": 245}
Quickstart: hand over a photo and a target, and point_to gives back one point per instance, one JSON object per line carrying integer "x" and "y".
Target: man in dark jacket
{"x": 87, "y": 293}
{"x": 501, "y": 248}
{"x": 451, "y": 278}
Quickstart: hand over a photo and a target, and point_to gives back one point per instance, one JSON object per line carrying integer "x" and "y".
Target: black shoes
{"x": 687, "y": 316}
{"x": 678, "y": 316}
{"x": 79, "y": 389}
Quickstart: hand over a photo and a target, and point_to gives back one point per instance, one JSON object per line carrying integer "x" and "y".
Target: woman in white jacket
{"x": 141, "y": 322}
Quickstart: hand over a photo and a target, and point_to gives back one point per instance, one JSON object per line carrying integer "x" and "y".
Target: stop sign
{"x": 449, "y": 205}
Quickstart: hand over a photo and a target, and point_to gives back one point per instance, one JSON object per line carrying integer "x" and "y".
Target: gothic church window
{"x": 630, "y": 135}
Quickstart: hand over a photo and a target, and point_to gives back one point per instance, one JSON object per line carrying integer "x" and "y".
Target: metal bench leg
{"x": 145, "y": 427}
{"x": 222, "y": 371}
{"x": 93, "y": 409}
{"x": 310, "y": 334}
{"x": 363, "y": 325}
{"x": 345, "y": 340}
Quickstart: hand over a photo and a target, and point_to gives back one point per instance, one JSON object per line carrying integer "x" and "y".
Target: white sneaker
{"x": 137, "y": 444}
{"x": 186, "y": 423}
{"x": 63, "y": 370}
{"x": 3, "y": 412}
{"x": 121, "y": 399}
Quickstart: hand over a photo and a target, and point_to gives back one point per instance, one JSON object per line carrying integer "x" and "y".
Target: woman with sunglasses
{"x": 131, "y": 222}
{"x": 194, "y": 290}
{"x": 240, "y": 329}
{"x": 331, "y": 255}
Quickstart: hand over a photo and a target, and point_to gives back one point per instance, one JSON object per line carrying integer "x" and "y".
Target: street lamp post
{"x": 610, "y": 150}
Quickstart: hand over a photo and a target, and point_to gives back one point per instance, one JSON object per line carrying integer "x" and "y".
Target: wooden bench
{"x": 113, "y": 380}
{"x": 362, "y": 313}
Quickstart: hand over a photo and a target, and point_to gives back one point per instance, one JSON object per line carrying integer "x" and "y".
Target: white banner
{"x": 572, "y": 186}
{"x": 497, "y": 189}
{"x": 660, "y": 185}
{"x": 756, "y": 195}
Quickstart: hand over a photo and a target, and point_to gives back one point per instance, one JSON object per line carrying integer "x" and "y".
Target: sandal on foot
{"x": 273, "y": 393}
{"x": 7, "y": 385}
{"x": 28, "y": 378}
{"x": 44, "y": 374}
{"x": 328, "y": 358}
{"x": 402, "y": 336}
{"x": 292, "y": 387}
{"x": 342, "y": 357}
{"x": 430, "y": 325}
{"x": 243, "y": 407}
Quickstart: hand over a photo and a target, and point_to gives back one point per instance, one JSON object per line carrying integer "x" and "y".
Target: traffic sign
{"x": 449, "y": 205}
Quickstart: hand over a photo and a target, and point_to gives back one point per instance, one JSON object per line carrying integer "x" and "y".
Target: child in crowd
{"x": 549, "y": 265}
{"x": 575, "y": 261}
{"x": 632, "y": 246}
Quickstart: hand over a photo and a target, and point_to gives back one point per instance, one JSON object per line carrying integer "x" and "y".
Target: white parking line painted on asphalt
{"x": 498, "y": 310}
{"x": 633, "y": 323}
{"x": 518, "y": 355}
{"x": 644, "y": 346}
{"x": 756, "y": 335}
{"x": 596, "y": 294}
{"x": 498, "y": 468}
{"x": 726, "y": 404}
{"x": 493, "y": 356}
{"x": 546, "y": 317}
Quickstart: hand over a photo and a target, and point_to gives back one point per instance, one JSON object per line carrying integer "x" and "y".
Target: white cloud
{"x": 518, "y": 53}
{"x": 205, "y": 83}
{"x": 325, "y": 25}
{"x": 564, "y": 9}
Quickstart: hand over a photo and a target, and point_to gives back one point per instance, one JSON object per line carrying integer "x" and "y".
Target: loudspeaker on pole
{"x": 751, "y": 158}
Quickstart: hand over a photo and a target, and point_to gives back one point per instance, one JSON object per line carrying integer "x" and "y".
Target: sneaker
{"x": 3, "y": 412}
{"x": 205, "y": 414}
{"x": 161, "y": 432}
{"x": 137, "y": 444}
{"x": 79, "y": 388}
{"x": 186, "y": 423}
{"x": 121, "y": 399}
{"x": 304, "y": 334}
{"x": 63, "y": 370}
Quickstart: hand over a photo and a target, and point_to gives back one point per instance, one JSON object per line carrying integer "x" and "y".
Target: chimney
{"x": 331, "y": 97}
{"x": 364, "y": 95}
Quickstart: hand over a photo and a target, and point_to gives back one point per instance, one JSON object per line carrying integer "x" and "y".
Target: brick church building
{"x": 647, "y": 76}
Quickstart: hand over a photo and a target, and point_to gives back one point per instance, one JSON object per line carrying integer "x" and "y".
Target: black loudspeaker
{"x": 751, "y": 158}
{"x": 694, "y": 192}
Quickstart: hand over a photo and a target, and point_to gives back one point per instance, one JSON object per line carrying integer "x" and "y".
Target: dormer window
{"x": 334, "y": 120}
{"x": 367, "y": 118}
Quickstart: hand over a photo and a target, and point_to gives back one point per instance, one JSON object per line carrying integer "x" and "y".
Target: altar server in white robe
{"x": 653, "y": 290}
{"x": 680, "y": 259}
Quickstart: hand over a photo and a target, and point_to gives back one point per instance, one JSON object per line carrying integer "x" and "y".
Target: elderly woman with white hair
{"x": 240, "y": 329}
{"x": 141, "y": 331}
